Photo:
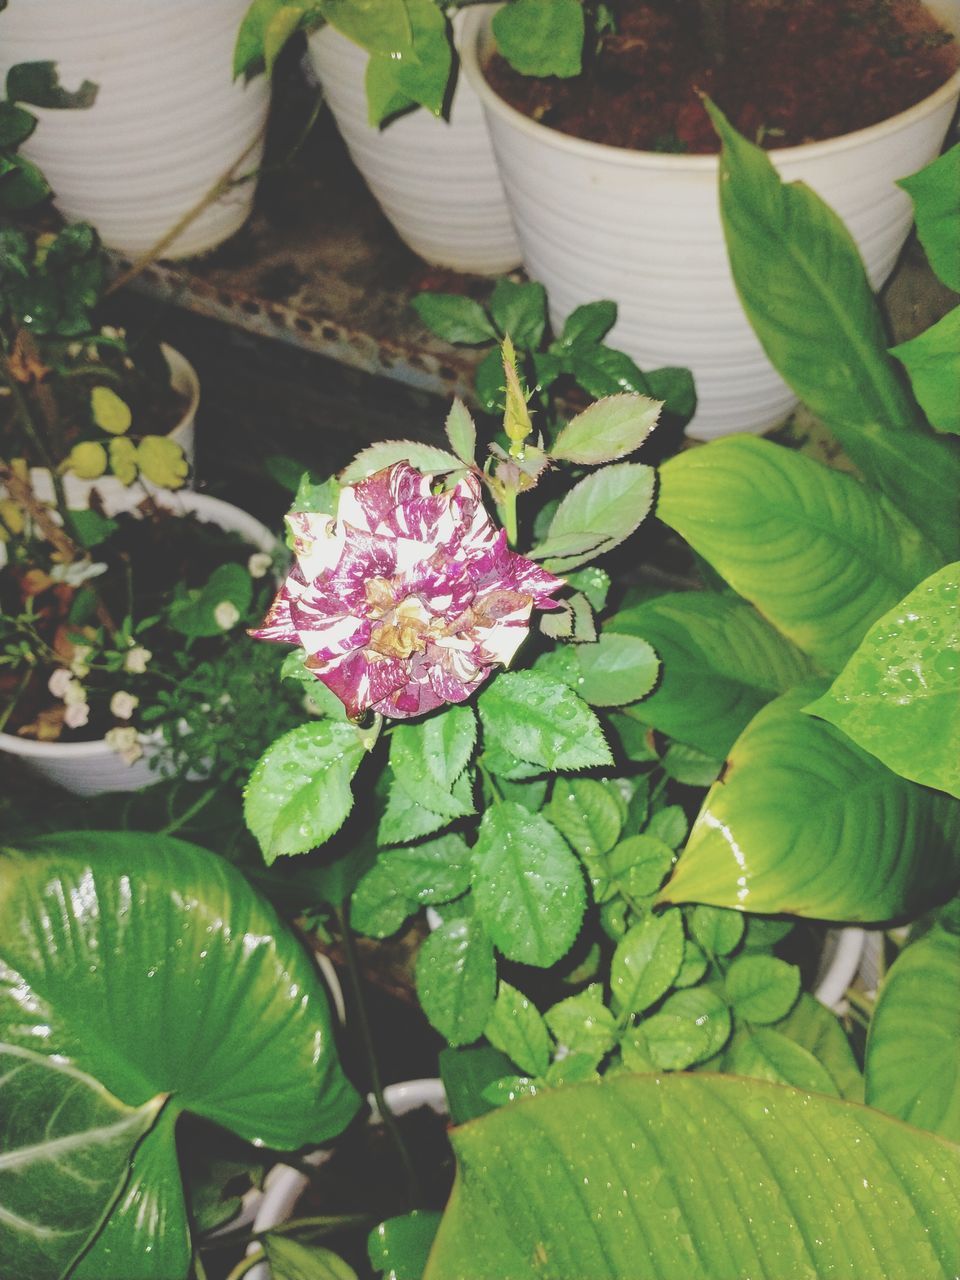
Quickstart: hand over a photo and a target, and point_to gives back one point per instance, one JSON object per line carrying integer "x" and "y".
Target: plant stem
{"x": 182, "y": 819}
{"x": 247, "y": 1264}
{"x": 376, "y": 1086}
{"x": 510, "y": 516}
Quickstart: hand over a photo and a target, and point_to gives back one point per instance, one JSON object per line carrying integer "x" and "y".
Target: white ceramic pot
{"x": 90, "y": 768}
{"x": 183, "y": 379}
{"x": 284, "y": 1186}
{"x": 840, "y": 961}
{"x": 644, "y": 230}
{"x": 436, "y": 180}
{"x": 168, "y": 121}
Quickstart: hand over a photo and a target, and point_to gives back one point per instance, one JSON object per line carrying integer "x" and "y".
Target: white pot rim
{"x": 477, "y": 24}
{"x": 233, "y": 519}
{"x": 183, "y": 378}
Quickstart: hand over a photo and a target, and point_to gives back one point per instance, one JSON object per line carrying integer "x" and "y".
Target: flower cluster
{"x": 407, "y": 599}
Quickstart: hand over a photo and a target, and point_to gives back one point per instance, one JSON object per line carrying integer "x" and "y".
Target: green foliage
{"x": 165, "y": 981}
{"x": 912, "y": 1064}
{"x": 899, "y": 695}
{"x": 933, "y": 363}
{"x": 605, "y": 507}
{"x": 457, "y": 979}
{"x": 572, "y": 1151}
{"x": 935, "y": 192}
{"x": 541, "y": 37}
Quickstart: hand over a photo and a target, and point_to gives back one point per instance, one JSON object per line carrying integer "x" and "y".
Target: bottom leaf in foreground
{"x": 697, "y": 1178}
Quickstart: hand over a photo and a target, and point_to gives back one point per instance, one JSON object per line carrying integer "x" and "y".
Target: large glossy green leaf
{"x": 818, "y": 554}
{"x": 913, "y": 1064}
{"x": 65, "y": 1148}
{"x": 935, "y": 192}
{"x": 805, "y": 291}
{"x": 899, "y": 695}
{"x": 697, "y": 1178}
{"x": 153, "y": 966}
{"x": 720, "y": 663}
{"x": 805, "y": 823}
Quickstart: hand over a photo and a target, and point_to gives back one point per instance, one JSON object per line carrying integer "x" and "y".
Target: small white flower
{"x": 125, "y": 742}
{"x": 123, "y": 704}
{"x": 74, "y": 694}
{"x": 76, "y": 715}
{"x": 80, "y": 571}
{"x": 109, "y": 331}
{"x": 59, "y": 682}
{"x": 226, "y": 615}
{"x": 74, "y": 349}
{"x": 258, "y": 566}
{"x": 92, "y": 352}
{"x": 78, "y": 663}
{"x": 136, "y": 659}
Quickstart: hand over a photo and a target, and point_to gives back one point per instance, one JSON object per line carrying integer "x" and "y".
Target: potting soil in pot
{"x": 792, "y": 72}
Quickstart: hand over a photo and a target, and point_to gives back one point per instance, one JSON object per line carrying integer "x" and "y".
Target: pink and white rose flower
{"x": 408, "y": 599}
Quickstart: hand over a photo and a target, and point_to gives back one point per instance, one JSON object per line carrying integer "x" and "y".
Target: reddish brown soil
{"x": 794, "y": 71}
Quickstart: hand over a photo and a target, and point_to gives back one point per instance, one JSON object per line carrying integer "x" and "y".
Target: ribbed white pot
{"x": 284, "y": 1186}
{"x": 91, "y": 768}
{"x": 184, "y": 380}
{"x": 644, "y": 229}
{"x": 168, "y": 121}
{"x": 436, "y": 180}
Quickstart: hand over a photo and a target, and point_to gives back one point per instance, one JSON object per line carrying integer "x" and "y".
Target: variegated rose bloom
{"x": 407, "y": 599}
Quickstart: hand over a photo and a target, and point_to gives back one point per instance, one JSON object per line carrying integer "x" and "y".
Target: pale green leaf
{"x": 583, "y": 1024}
{"x": 456, "y": 979}
{"x": 461, "y": 431}
{"x": 899, "y": 695}
{"x": 428, "y": 757}
{"x": 425, "y": 457}
{"x": 586, "y": 812}
{"x": 646, "y": 961}
{"x": 606, "y": 430}
{"x": 541, "y": 37}
{"x": 718, "y": 931}
{"x": 935, "y": 192}
{"x": 761, "y": 988}
{"x": 689, "y": 1027}
{"x": 516, "y": 1028}
{"x": 608, "y": 504}
{"x": 615, "y": 670}
{"x": 290, "y": 1260}
{"x": 541, "y": 721}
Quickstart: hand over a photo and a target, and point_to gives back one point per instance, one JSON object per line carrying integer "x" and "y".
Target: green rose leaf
{"x": 67, "y": 1144}
{"x": 541, "y": 37}
{"x": 810, "y": 1027}
{"x": 38, "y": 83}
{"x": 428, "y": 757}
{"x": 457, "y": 979}
{"x": 932, "y": 360}
{"x": 152, "y": 966}
{"x": 528, "y": 888}
{"x": 720, "y": 663}
{"x": 639, "y": 865}
{"x": 646, "y": 961}
{"x": 607, "y": 505}
{"x": 609, "y": 429}
{"x": 615, "y": 669}
{"x": 586, "y": 812}
{"x": 299, "y": 792}
{"x": 705, "y": 1161}
{"x": 718, "y": 931}
{"x": 461, "y": 431}
{"x": 765, "y": 1054}
{"x": 425, "y": 457}
{"x": 912, "y": 1068}
{"x": 583, "y": 1023}
{"x": 935, "y": 192}
{"x": 689, "y": 1027}
{"x": 516, "y": 1028}
{"x": 405, "y": 820}
{"x": 587, "y": 324}
{"x": 404, "y": 879}
{"x": 899, "y": 695}
{"x": 762, "y": 988}
{"x": 520, "y": 312}
{"x": 669, "y": 825}
{"x": 804, "y": 289}
{"x": 538, "y": 719}
{"x": 834, "y": 556}
{"x": 454, "y": 318}
{"x": 805, "y": 823}
{"x": 198, "y": 613}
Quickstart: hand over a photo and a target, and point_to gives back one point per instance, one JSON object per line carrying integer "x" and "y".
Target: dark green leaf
{"x": 520, "y": 312}
{"x": 527, "y": 886}
{"x": 16, "y": 125}
{"x": 817, "y": 553}
{"x": 805, "y": 823}
{"x": 457, "y": 979}
{"x": 583, "y": 1024}
{"x": 899, "y": 695}
{"x": 688, "y": 765}
{"x": 587, "y": 813}
{"x": 720, "y": 662}
{"x": 428, "y": 757}
{"x": 766, "y": 1054}
{"x": 454, "y": 318}
{"x": 489, "y": 382}
{"x": 588, "y": 324}
{"x": 805, "y": 291}
{"x": 299, "y": 792}
{"x": 195, "y": 614}
{"x": 39, "y": 84}
{"x": 912, "y": 1067}
{"x": 615, "y": 670}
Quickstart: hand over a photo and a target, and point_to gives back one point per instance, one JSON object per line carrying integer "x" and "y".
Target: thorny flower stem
{"x": 510, "y": 516}
{"x": 363, "y": 1021}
